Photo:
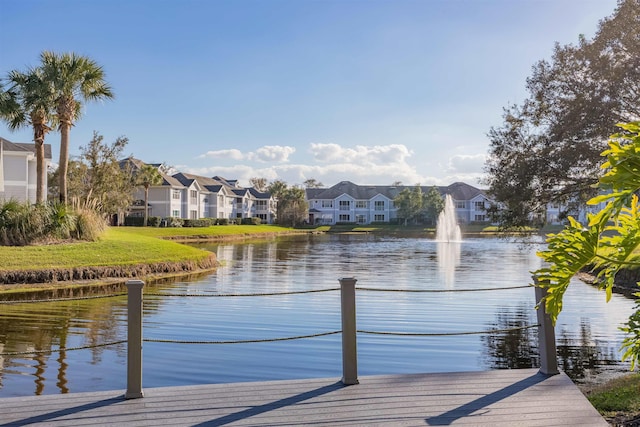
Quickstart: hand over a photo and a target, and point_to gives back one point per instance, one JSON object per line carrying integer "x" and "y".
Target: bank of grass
{"x": 216, "y": 231}
{"x": 117, "y": 247}
{"x": 618, "y": 400}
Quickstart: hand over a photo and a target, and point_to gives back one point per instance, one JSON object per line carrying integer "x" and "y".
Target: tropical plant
{"x": 610, "y": 239}
{"x": 26, "y": 102}
{"x": 73, "y": 79}
{"x": 147, "y": 176}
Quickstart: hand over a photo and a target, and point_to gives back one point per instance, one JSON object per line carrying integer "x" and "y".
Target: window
{"x": 175, "y": 214}
{"x": 176, "y": 194}
{"x": 261, "y": 204}
{"x": 481, "y": 218}
{"x": 361, "y": 219}
{"x": 362, "y": 204}
{"x": 194, "y": 194}
{"x": 193, "y": 214}
{"x": 327, "y": 203}
{"x": 344, "y": 217}
{"x": 378, "y": 218}
{"x": 460, "y": 204}
{"x": 379, "y": 205}
{"x": 263, "y": 217}
{"x": 479, "y": 206}
{"x": 344, "y": 205}
{"x": 220, "y": 200}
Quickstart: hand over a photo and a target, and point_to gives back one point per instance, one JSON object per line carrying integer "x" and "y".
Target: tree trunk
{"x": 146, "y": 205}
{"x": 41, "y": 173}
{"x": 65, "y": 127}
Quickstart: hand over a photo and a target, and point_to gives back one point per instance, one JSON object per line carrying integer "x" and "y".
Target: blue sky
{"x": 371, "y": 91}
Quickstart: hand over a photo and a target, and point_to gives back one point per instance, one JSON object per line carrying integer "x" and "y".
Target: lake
{"x": 587, "y": 331}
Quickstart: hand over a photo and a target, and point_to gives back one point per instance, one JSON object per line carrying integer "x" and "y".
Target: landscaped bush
{"x": 251, "y": 221}
{"x": 174, "y": 222}
{"x": 133, "y": 221}
{"x": 223, "y": 221}
{"x": 153, "y": 221}
{"x": 23, "y": 224}
{"x": 202, "y": 222}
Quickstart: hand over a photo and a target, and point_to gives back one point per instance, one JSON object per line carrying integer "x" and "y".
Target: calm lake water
{"x": 587, "y": 330}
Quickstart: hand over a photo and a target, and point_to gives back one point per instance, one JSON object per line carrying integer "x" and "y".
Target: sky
{"x": 370, "y": 91}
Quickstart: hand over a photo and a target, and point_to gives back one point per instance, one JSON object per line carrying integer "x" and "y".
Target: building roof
{"x": 458, "y": 190}
{"x": 23, "y": 147}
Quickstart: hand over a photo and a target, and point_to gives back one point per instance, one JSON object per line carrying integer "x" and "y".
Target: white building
{"x": 188, "y": 196}
{"x": 365, "y": 204}
{"x": 18, "y": 170}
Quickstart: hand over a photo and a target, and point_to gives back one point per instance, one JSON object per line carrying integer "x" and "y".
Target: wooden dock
{"x": 521, "y": 397}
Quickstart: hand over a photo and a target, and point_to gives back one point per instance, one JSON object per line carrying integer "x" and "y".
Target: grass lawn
{"x": 117, "y": 247}
{"x": 216, "y": 230}
{"x": 619, "y": 399}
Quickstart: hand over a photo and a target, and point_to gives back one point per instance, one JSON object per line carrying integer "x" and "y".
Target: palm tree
{"x": 73, "y": 80}
{"x": 147, "y": 176}
{"x": 28, "y": 101}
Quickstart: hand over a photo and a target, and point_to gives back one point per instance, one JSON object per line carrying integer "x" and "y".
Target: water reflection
{"x": 588, "y": 334}
{"x": 580, "y": 356}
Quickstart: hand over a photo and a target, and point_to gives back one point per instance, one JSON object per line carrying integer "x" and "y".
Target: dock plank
{"x": 520, "y": 397}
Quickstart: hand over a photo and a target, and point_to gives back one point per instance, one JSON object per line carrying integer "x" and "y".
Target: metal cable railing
{"x": 264, "y": 340}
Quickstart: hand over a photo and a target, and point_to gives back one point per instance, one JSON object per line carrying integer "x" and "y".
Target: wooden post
{"x": 546, "y": 337}
{"x": 134, "y": 339}
{"x": 349, "y": 350}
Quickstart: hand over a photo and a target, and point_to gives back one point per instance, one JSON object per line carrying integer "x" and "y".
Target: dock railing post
{"x": 134, "y": 339}
{"x": 546, "y": 336}
{"x": 349, "y": 349}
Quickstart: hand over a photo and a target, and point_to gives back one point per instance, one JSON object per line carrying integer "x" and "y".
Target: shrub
{"x": 174, "y": 222}
{"x": 251, "y": 221}
{"x": 223, "y": 221}
{"x": 202, "y": 222}
{"x": 153, "y": 221}
{"x": 133, "y": 221}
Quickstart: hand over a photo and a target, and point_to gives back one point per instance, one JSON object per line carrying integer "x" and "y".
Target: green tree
{"x": 74, "y": 79}
{"x": 608, "y": 242}
{"x": 312, "y": 183}
{"x": 276, "y": 188}
{"x": 292, "y": 207}
{"x": 96, "y": 178}
{"x": 548, "y": 147}
{"x": 28, "y": 102}
{"x": 259, "y": 184}
{"x": 432, "y": 205}
{"x": 147, "y": 176}
{"x": 409, "y": 203}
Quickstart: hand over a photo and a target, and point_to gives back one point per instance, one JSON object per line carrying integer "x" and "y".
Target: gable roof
{"x": 23, "y": 147}
{"x": 358, "y": 192}
{"x": 461, "y": 191}
{"x": 458, "y": 190}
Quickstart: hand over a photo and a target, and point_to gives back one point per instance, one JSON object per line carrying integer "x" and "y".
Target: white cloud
{"x": 272, "y": 153}
{"x": 232, "y": 153}
{"x": 361, "y": 154}
{"x": 467, "y": 163}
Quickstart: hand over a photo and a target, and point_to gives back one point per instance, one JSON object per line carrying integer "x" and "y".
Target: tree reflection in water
{"x": 579, "y": 356}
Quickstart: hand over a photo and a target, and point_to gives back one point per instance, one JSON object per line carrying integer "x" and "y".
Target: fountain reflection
{"x": 448, "y": 261}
